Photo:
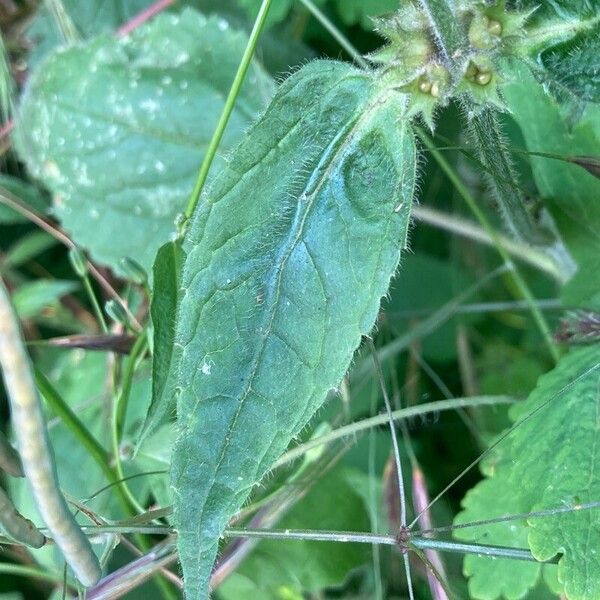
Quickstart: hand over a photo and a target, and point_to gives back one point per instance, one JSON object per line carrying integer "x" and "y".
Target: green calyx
{"x": 412, "y": 61}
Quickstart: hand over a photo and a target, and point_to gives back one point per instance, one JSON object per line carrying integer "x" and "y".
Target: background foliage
{"x": 110, "y": 132}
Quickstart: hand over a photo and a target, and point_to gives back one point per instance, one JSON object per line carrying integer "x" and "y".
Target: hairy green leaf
{"x": 550, "y": 461}
{"x": 117, "y": 128}
{"x": 571, "y": 193}
{"x": 288, "y": 256}
{"x": 490, "y": 146}
{"x": 572, "y": 70}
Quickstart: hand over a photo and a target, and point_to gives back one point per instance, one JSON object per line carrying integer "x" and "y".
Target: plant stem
{"x": 95, "y": 304}
{"x": 397, "y": 459}
{"x": 337, "y": 35}
{"x": 403, "y": 413}
{"x": 345, "y": 537}
{"x": 390, "y": 418}
{"x": 451, "y": 40}
{"x": 482, "y": 218}
{"x": 478, "y": 549}
{"x": 532, "y": 256}
{"x": 228, "y": 108}
{"x": 118, "y": 417}
{"x": 484, "y": 131}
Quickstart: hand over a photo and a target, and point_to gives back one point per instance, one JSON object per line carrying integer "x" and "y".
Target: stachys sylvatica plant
{"x": 279, "y": 266}
{"x": 295, "y": 241}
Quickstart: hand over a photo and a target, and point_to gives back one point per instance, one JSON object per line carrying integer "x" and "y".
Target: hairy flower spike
{"x": 413, "y": 63}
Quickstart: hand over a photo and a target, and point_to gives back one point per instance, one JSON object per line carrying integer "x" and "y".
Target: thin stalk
{"x": 351, "y": 537}
{"x": 478, "y": 549}
{"x": 395, "y": 446}
{"x": 536, "y": 514}
{"x": 9, "y": 199}
{"x": 228, "y": 108}
{"x": 518, "y": 280}
{"x": 343, "y": 537}
{"x": 397, "y": 459}
{"x": 336, "y": 34}
{"x": 483, "y": 307}
{"x": 484, "y": 130}
{"x": 95, "y": 304}
{"x": 119, "y": 413}
{"x": 373, "y": 504}
{"x": 379, "y": 420}
{"x": 532, "y": 256}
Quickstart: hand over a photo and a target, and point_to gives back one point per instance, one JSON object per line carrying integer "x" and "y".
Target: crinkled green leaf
{"x": 288, "y": 256}
{"x": 572, "y": 70}
{"x": 117, "y": 128}
{"x": 500, "y": 578}
{"x": 571, "y": 193}
{"x": 549, "y": 461}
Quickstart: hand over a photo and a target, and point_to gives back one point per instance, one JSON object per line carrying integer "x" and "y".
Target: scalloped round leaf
{"x": 117, "y": 128}
{"x": 500, "y": 578}
{"x": 550, "y": 461}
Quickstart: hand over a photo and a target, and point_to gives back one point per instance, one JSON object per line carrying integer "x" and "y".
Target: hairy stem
{"x": 518, "y": 280}
{"x": 484, "y": 131}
